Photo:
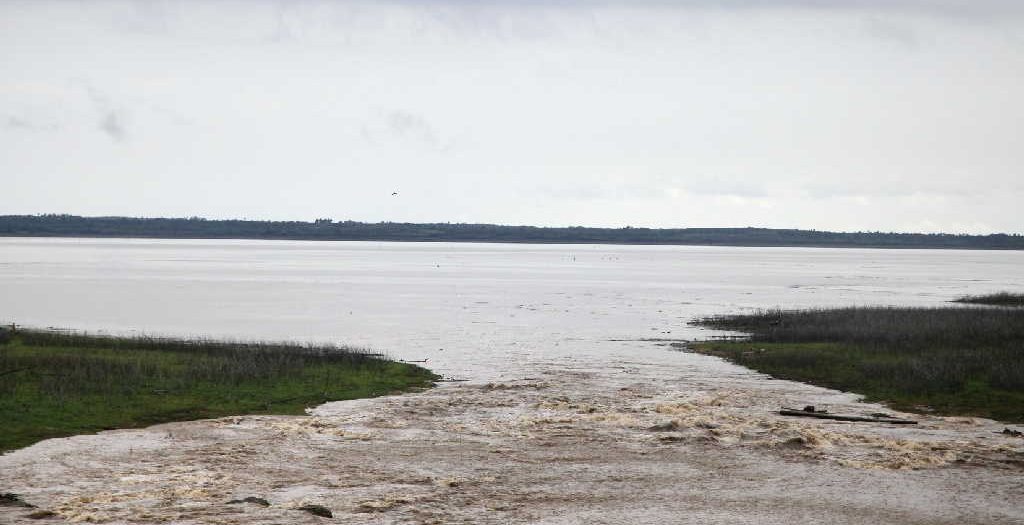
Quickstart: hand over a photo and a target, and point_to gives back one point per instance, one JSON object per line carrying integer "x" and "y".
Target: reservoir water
{"x": 471, "y": 310}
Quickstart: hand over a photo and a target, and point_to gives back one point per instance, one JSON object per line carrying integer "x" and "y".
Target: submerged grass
{"x": 954, "y": 361}
{"x": 56, "y": 384}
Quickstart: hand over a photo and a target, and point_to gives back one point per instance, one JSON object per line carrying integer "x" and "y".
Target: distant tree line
{"x": 52, "y": 225}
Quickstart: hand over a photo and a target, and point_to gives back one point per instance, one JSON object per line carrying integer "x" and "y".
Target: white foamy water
{"x": 472, "y": 310}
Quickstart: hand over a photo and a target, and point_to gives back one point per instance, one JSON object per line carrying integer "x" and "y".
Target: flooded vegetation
{"x": 955, "y": 361}
{"x": 56, "y": 384}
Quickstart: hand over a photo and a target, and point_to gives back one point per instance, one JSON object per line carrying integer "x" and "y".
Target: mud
{"x": 567, "y": 442}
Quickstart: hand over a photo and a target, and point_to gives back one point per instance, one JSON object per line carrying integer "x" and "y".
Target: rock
{"x": 317, "y": 510}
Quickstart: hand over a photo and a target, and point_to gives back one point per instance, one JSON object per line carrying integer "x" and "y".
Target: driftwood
{"x": 821, "y": 414}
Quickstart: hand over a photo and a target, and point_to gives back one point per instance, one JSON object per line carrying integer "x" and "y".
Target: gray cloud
{"x": 112, "y": 125}
{"x": 746, "y": 187}
{"x": 19, "y": 123}
{"x": 891, "y": 31}
{"x": 404, "y": 127}
{"x": 24, "y": 124}
{"x": 957, "y": 7}
{"x": 407, "y": 124}
{"x": 111, "y": 120}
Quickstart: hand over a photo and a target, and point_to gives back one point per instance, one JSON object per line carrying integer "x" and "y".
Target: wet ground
{"x": 568, "y": 442}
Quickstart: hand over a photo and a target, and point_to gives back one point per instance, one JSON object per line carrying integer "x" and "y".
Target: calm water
{"x": 476, "y": 310}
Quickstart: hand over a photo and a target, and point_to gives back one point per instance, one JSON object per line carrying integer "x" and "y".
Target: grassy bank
{"x": 54, "y": 384}
{"x": 995, "y": 299}
{"x": 955, "y": 361}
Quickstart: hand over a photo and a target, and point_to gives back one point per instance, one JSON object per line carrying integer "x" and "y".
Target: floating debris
{"x": 251, "y": 499}
{"x": 10, "y": 499}
{"x": 810, "y": 411}
{"x": 317, "y": 510}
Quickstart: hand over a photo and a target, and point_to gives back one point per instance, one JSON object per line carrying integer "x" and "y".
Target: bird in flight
{"x": 394, "y": 193}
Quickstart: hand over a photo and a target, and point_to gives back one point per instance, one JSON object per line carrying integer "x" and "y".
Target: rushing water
{"x": 474, "y": 310}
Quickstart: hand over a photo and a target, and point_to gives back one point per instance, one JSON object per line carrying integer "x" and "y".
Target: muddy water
{"x": 569, "y": 416}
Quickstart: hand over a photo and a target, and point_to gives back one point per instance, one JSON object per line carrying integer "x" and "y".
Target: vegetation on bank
{"x": 995, "y": 299}
{"x": 328, "y": 229}
{"x": 953, "y": 361}
{"x": 56, "y": 384}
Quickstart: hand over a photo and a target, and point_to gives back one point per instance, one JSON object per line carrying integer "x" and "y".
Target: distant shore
{"x": 53, "y": 225}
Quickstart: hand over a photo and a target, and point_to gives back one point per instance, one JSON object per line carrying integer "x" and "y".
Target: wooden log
{"x": 840, "y": 417}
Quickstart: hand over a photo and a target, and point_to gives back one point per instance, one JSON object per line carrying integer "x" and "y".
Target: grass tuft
{"x": 955, "y": 361}
{"x": 56, "y": 384}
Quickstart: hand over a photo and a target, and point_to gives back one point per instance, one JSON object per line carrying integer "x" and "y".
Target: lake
{"x": 472, "y": 310}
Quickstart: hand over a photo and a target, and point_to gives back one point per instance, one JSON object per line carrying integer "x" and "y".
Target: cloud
{"x": 19, "y": 123}
{"x": 111, "y": 120}
{"x": 112, "y": 125}
{"x": 962, "y": 6}
{"x": 404, "y": 127}
{"x": 406, "y": 124}
{"x": 891, "y": 31}
{"x": 722, "y": 186}
{"x": 24, "y": 124}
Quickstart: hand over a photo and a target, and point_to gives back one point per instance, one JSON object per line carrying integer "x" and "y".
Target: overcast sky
{"x": 895, "y": 115}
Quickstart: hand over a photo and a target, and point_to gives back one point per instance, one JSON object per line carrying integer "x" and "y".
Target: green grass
{"x": 54, "y": 385}
{"x": 953, "y": 361}
{"x": 995, "y": 299}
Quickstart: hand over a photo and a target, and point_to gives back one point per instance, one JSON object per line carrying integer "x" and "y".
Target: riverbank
{"x": 951, "y": 361}
{"x": 60, "y": 384}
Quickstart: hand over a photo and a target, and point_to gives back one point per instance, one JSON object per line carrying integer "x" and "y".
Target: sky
{"x": 881, "y": 115}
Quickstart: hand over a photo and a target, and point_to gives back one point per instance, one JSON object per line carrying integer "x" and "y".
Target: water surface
{"x": 472, "y": 310}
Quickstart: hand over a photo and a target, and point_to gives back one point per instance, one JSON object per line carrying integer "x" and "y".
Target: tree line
{"x": 61, "y": 225}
